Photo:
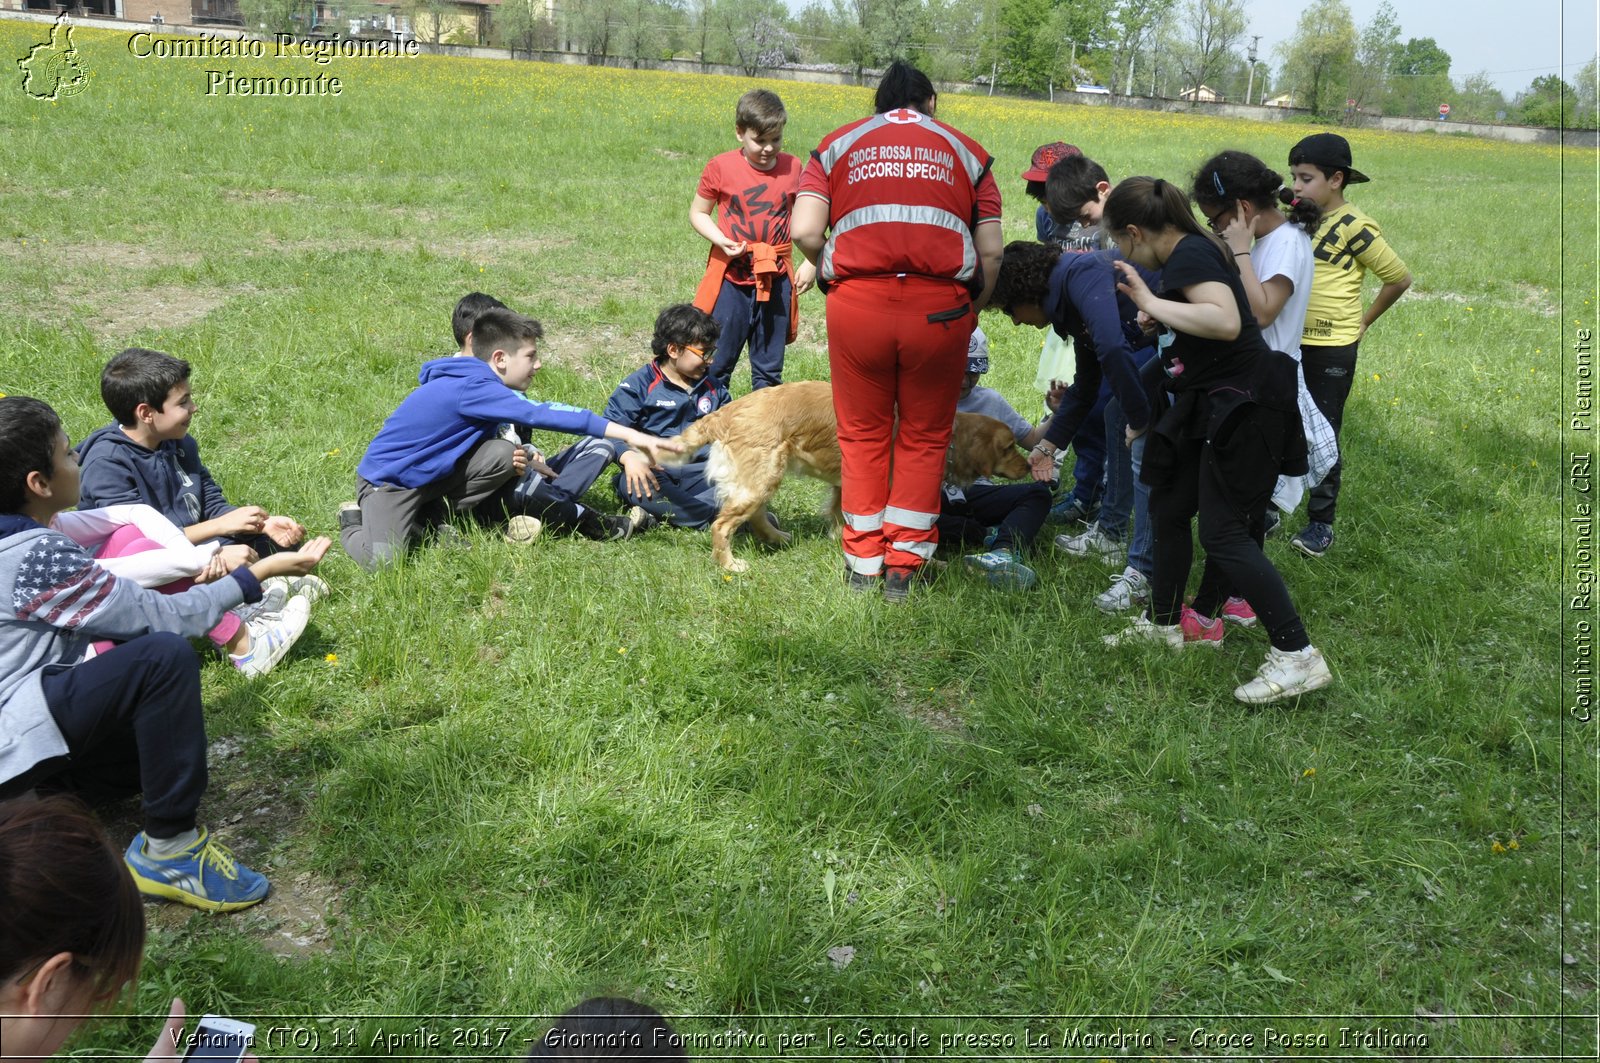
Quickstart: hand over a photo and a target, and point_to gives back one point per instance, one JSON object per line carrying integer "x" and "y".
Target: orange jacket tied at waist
{"x": 767, "y": 263}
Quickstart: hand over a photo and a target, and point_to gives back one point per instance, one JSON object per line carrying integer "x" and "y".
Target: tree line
{"x": 1164, "y": 48}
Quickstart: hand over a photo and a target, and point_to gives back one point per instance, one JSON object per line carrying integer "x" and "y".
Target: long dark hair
{"x": 903, "y": 85}
{"x": 64, "y": 888}
{"x": 1234, "y": 175}
{"x": 1153, "y": 205}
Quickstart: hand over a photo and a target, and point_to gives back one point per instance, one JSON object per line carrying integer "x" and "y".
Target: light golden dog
{"x": 790, "y": 430}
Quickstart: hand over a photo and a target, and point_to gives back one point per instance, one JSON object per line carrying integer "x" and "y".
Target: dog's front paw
{"x": 737, "y": 565}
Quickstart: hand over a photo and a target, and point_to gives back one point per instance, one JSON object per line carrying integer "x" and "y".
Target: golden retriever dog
{"x": 790, "y": 430}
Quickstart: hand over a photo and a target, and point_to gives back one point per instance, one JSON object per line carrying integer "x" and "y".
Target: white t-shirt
{"x": 1286, "y": 252}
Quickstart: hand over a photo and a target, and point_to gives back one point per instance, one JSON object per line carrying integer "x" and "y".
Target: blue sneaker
{"x": 1003, "y": 569}
{"x": 1071, "y": 511}
{"x": 205, "y": 875}
{"x": 1314, "y": 539}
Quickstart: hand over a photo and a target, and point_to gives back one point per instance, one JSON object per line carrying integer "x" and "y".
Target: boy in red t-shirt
{"x": 750, "y": 286}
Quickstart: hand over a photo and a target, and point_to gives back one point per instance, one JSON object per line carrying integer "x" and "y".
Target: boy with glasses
{"x": 663, "y": 398}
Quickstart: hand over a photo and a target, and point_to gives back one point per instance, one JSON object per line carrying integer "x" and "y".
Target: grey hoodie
{"x": 54, "y": 602}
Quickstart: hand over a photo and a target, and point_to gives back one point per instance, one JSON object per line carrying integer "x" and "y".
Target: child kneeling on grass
{"x": 128, "y": 720}
{"x": 1016, "y": 511}
{"x": 440, "y": 444}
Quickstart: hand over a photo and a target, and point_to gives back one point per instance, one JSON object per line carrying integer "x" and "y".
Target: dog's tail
{"x": 705, "y": 430}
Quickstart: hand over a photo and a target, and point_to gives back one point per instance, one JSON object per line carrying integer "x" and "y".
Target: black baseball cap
{"x": 1329, "y": 151}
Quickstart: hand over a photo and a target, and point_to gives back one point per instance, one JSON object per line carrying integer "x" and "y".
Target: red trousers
{"x": 897, "y": 346}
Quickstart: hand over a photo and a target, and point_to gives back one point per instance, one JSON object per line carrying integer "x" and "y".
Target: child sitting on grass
{"x": 663, "y": 397}
{"x": 147, "y": 458}
{"x": 1015, "y": 511}
{"x": 440, "y": 443}
{"x": 549, "y": 491}
{"x": 130, "y": 719}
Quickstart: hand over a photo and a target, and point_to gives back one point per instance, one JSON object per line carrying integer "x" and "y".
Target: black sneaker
{"x": 859, "y": 582}
{"x": 349, "y": 515}
{"x": 897, "y": 582}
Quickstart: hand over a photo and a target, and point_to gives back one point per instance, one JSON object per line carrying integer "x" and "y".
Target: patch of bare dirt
{"x": 58, "y": 256}
{"x": 933, "y": 709}
{"x": 119, "y": 313}
{"x": 258, "y": 816}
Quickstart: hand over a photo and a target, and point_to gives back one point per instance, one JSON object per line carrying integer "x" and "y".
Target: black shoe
{"x": 859, "y": 581}
{"x": 349, "y": 515}
{"x": 897, "y": 582}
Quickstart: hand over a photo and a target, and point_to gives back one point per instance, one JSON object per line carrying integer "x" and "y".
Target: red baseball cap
{"x": 1046, "y": 157}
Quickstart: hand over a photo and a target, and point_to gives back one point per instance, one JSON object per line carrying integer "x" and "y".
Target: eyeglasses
{"x": 698, "y": 352}
{"x": 1219, "y": 220}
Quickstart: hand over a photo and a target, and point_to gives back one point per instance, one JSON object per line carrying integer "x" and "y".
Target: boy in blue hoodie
{"x": 128, "y": 720}
{"x": 440, "y": 444}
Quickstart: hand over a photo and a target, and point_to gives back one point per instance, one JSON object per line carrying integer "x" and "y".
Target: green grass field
{"x": 492, "y": 782}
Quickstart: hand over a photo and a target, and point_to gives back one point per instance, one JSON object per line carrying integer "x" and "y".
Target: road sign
{"x": 1444, "y": 109}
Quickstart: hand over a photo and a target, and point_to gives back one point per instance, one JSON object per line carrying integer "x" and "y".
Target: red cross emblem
{"x": 903, "y": 116}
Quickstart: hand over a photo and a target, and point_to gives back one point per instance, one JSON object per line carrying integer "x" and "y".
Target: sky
{"x": 1515, "y": 41}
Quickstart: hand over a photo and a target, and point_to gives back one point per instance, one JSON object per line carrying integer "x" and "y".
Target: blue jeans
{"x": 765, "y": 326}
{"x": 1126, "y": 494}
{"x": 1089, "y": 449}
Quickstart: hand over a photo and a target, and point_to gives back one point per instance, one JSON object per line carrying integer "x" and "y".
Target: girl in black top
{"x": 1216, "y": 449}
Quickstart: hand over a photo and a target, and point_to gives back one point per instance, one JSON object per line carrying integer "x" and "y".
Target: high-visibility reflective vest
{"x": 905, "y": 195}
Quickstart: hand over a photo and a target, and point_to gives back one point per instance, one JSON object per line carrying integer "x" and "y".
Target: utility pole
{"x": 1253, "y": 42}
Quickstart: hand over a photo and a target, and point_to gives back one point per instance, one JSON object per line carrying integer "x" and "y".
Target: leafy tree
{"x": 520, "y": 25}
{"x": 1317, "y": 59}
{"x": 642, "y": 34}
{"x": 1207, "y": 31}
{"x": 278, "y": 16}
{"x": 1419, "y": 78}
{"x": 1588, "y": 90}
{"x": 1548, "y": 102}
{"x": 755, "y": 33}
{"x": 1131, "y": 27}
{"x": 1375, "y": 52}
{"x": 1479, "y": 100}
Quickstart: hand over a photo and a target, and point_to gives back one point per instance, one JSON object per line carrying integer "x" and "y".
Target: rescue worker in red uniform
{"x": 901, "y": 215}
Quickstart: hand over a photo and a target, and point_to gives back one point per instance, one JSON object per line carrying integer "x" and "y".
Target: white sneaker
{"x": 311, "y": 588}
{"x": 1286, "y": 675}
{"x": 523, "y": 529}
{"x": 1128, "y": 590}
{"x": 275, "y": 593}
{"x": 1140, "y": 630}
{"x": 1092, "y": 543}
{"x": 271, "y": 637}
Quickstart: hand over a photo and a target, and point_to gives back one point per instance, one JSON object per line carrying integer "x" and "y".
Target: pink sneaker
{"x": 1198, "y": 631}
{"x": 1238, "y": 611}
